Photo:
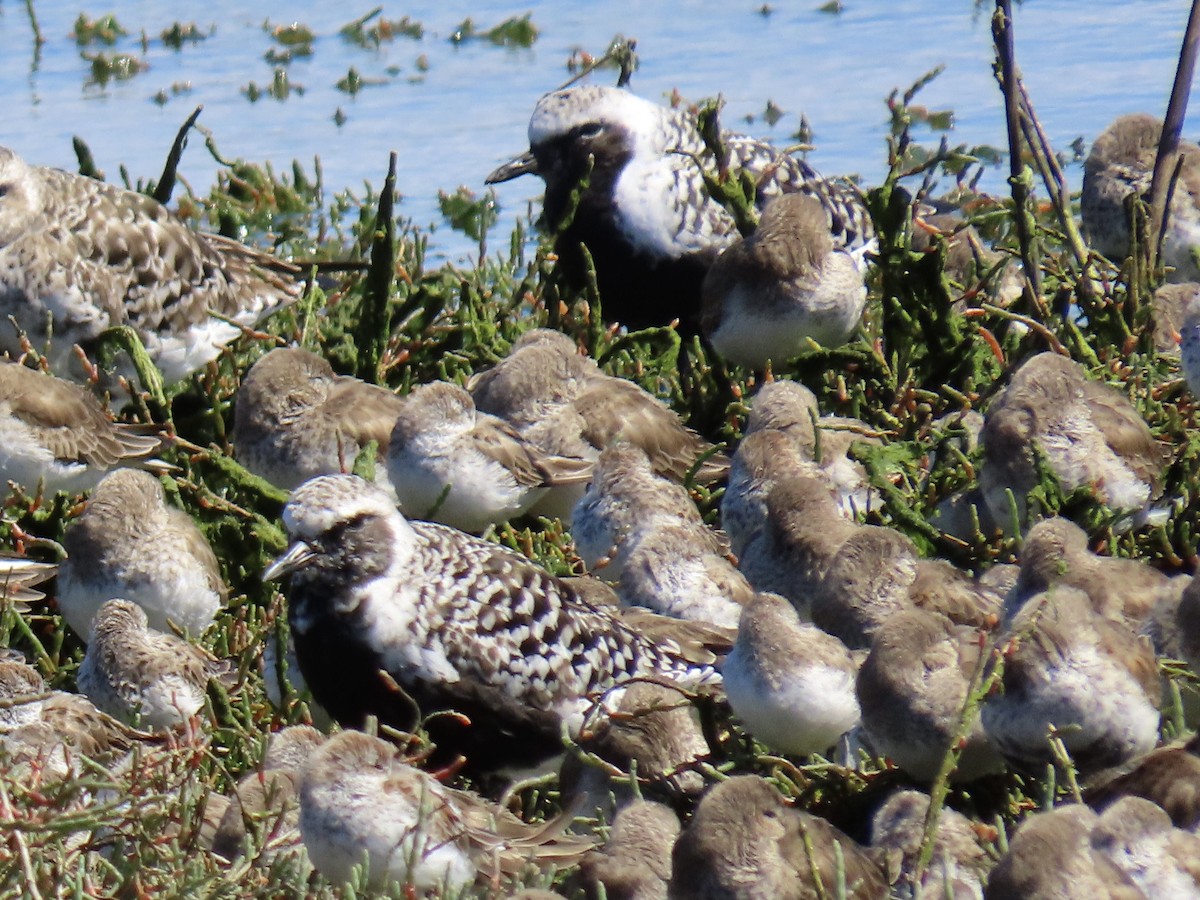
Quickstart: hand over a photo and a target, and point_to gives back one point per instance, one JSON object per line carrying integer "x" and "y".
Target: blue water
{"x": 451, "y": 124}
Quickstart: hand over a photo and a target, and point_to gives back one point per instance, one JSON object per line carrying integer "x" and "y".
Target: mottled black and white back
{"x": 78, "y": 256}
{"x": 457, "y": 621}
{"x": 646, "y": 217}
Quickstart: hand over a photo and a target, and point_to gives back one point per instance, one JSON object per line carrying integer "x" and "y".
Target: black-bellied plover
{"x": 1120, "y": 165}
{"x": 450, "y": 463}
{"x": 362, "y": 805}
{"x": 295, "y": 419}
{"x": 81, "y": 256}
{"x": 457, "y": 621}
{"x": 130, "y": 544}
{"x": 57, "y": 434}
{"x": 788, "y": 284}
{"x": 645, "y": 216}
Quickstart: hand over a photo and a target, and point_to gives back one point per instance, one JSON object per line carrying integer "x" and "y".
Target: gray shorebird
{"x": 1168, "y": 776}
{"x": 264, "y": 809}
{"x": 959, "y": 865}
{"x": 86, "y": 256}
{"x": 1056, "y": 551}
{"x": 128, "y": 543}
{"x": 767, "y": 296}
{"x": 635, "y": 863}
{"x": 563, "y": 403}
{"x": 645, "y": 216}
{"x": 1137, "y": 837}
{"x": 456, "y": 621}
{"x": 361, "y": 805}
{"x": 1051, "y": 856}
{"x": 1093, "y": 681}
{"x": 295, "y": 419}
{"x": 667, "y": 570}
{"x": 745, "y": 841}
{"x": 1119, "y": 166}
{"x": 142, "y": 676}
{"x": 911, "y": 689}
{"x": 1089, "y": 434}
{"x": 57, "y": 434}
{"x": 452, "y": 464}
{"x": 625, "y": 500}
{"x": 789, "y": 683}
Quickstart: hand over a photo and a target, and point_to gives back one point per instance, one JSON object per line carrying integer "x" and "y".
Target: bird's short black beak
{"x": 296, "y": 557}
{"x": 525, "y": 164}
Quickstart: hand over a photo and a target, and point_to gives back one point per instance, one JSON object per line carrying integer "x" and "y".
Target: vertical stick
{"x": 1168, "y": 144}
{"x": 1002, "y": 36}
{"x": 372, "y": 332}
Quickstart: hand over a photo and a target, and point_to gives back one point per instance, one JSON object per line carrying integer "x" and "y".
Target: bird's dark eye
{"x": 770, "y": 814}
{"x": 4, "y": 190}
{"x": 591, "y": 129}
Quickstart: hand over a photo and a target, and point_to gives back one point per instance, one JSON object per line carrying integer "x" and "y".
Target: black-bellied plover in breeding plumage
{"x": 959, "y": 865}
{"x": 362, "y": 805}
{"x": 142, "y": 676}
{"x": 911, "y": 689}
{"x": 295, "y": 419}
{"x": 1055, "y": 551}
{"x": 457, "y": 621}
{"x": 85, "y": 256}
{"x": 789, "y": 683}
{"x": 1089, "y": 434}
{"x": 130, "y": 544}
{"x": 450, "y": 463}
{"x": 1094, "y": 680}
{"x": 635, "y": 863}
{"x": 566, "y": 405}
{"x": 745, "y": 841}
{"x": 625, "y": 500}
{"x": 1051, "y": 855}
{"x": 787, "y": 286}
{"x": 646, "y": 217}
{"x": 57, "y": 434}
{"x": 1120, "y": 165}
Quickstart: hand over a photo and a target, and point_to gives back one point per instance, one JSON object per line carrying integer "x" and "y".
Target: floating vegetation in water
{"x": 519, "y": 31}
{"x": 281, "y": 87}
{"x": 293, "y": 35}
{"x": 114, "y": 66}
{"x": 104, "y": 30}
{"x": 179, "y": 34}
{"x": 177, "y": 89}
{"x": 380, "y": 31}
{"x": 353, "y": 82}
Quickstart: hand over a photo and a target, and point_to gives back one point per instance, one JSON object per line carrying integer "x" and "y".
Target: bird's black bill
{"x": 295, "y": 558}
{"x": 525, "y": 164}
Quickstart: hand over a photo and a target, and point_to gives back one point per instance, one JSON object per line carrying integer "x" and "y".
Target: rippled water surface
{"x": 453, "y": 111}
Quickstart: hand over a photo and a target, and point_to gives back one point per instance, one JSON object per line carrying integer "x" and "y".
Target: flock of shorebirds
{"x": 823, "y": 635}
